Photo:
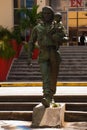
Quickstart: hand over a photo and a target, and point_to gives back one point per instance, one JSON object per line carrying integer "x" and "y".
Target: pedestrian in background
{"x": 82, "y": 39}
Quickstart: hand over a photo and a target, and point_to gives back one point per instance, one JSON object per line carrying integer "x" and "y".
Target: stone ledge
{"x": 39, "y": 84}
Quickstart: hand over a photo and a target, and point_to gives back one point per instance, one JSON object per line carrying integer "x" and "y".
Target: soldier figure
{"x": 59, "y": 27}
{"x": 49, "y": 57}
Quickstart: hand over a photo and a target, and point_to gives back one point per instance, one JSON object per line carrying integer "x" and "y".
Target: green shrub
{"x": 6, "y": 50}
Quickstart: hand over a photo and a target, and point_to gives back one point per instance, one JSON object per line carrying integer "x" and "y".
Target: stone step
{"x": 73, "y": 53}
{"x": 73, "y": 47}
{"x": 68, "y": 56}
{"x": 70, "y": 116}
{"x": 63, "y": 55}
{"x": 16, "y": 115}
{"x": 62, "y": 51}
{"x": 39, "y": 78}
{"x": 70, "y": 50}
{"x": 17, "y": 106}
{"x": 71, "y": 98}
{"x": 65, "y": 69}
{"x": 24, "y": 79}
{"x": 38, "y": 73}
{"x": 72, "y": 62}
{"x": 35, "y": 98}
{"x": 38, "y": 69}
{"x": 35, "y": 78}
{"x": 72, "y": 68}
{"x": 28, "y": 106}
{"x": 64, "y": 61}
{"x": 27, "y": 116}
{"x": 72, "y": 78}
{"x": 62, "y": 65}
{"x": 75, "y": 116}
{"x": 35, "y": 62}
{"x": 20, "y": 98}
{"x": 74, "y": 56}
{"x": 76, "y": 106}
{"x": 67, "y": 49}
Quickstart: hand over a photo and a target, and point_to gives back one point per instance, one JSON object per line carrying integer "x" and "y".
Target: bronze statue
{"x": 46, "y": 34}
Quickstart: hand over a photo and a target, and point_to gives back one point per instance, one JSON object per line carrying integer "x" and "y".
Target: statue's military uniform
{"x": 49, "y": 38}
{"x": 49, "y": 56}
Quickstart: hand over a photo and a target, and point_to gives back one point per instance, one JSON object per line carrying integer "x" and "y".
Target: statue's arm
{"x": 59, "y": 35}
{"x": 31, "y": 44}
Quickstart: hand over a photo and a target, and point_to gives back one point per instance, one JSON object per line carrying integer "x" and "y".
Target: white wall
{"x": 6, "y": 13}
{"x": 42, "y": 3}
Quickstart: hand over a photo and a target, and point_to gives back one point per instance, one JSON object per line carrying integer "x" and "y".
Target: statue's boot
{"x": 47, "y": 100}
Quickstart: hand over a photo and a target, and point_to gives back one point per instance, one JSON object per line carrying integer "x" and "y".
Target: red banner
{"x": 76, "y": 3}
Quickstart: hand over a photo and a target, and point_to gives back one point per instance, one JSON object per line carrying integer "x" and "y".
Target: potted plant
{"x": 27, "y": 23}
{"x": 29, "y": 18}
{"x": 6, "y": 52}
{"x": 16, "y": 40}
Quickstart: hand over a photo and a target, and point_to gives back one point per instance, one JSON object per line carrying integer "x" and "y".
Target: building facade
{"x": 74, "y": 16}
{"x": 74, "y": 13}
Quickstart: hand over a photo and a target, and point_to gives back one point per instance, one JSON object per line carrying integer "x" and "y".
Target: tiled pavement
{"x": 23, "y": 125}
{"x": 63, "y": 90}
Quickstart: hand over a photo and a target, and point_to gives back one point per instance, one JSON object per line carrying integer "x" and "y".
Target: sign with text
{"x": 76, "y": 3}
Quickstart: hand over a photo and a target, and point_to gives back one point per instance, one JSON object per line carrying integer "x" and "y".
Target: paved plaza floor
{"x": 23, "y": 125}
{"x": 61, "y": 90}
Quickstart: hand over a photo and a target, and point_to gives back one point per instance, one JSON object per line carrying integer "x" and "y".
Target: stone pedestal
{"x": 48, "y": 117}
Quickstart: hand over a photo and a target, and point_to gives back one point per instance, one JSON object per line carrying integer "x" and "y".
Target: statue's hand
{"x": 65, "y": 39}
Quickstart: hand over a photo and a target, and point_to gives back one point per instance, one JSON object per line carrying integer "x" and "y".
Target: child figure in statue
{"x": 46, "y": 34}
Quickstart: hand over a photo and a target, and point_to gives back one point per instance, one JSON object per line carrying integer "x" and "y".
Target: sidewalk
{"x": 24, "y": 84}
{"x": 23, "y": 89}
{"x": 35, "y": 90}
{"x": 23, "y": 125}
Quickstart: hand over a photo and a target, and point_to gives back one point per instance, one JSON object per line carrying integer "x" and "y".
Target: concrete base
{"x": 48, "y": 117}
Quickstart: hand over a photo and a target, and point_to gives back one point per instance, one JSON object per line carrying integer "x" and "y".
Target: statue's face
{"x": 57, "y": 18}
{"x": 47, "y": 15}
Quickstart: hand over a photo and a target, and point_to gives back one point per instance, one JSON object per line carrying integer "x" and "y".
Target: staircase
{"x": 73, "y": 66}
{"x": 19, "y": 106}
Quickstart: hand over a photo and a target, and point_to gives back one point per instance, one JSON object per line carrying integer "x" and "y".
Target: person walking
{"x": 82, "y": 39}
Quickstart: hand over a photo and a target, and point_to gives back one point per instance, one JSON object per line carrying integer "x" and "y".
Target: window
{"x": 18, "y": 4}
{"x": 77, "y": 23}
{"x": 85, "y": 4}
{"x": 29, "y": 3}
